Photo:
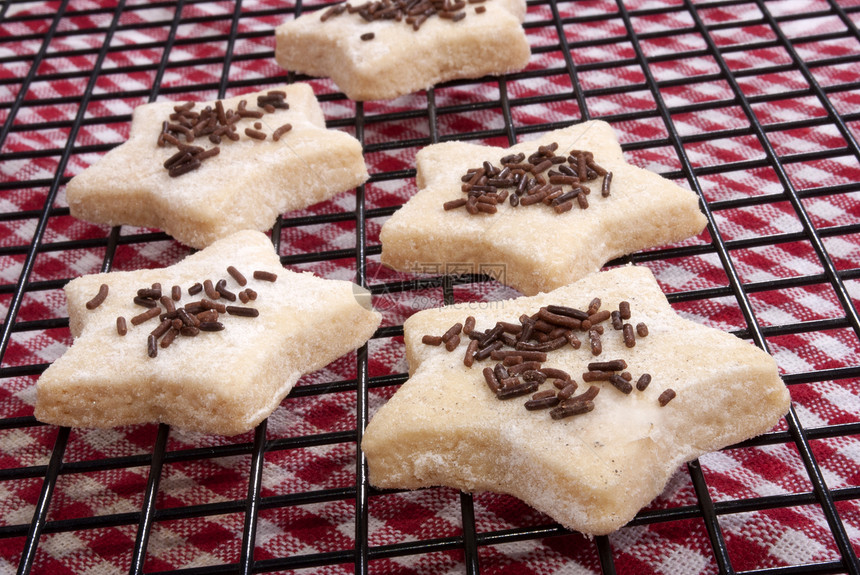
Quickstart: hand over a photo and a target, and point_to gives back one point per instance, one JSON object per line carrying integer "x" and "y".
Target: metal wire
{"x": 109, "y": 20}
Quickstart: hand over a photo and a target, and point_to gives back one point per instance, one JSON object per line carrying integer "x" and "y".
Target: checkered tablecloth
{"x": 752, "y": 104}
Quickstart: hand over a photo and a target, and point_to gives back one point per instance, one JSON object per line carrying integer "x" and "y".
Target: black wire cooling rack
{"x": 774, "y": 72}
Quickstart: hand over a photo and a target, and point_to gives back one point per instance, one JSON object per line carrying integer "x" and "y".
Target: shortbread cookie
{"x": 180, "y": 353}
{"x": 248, "y": 159}
{"x": 585, "y": 426}
{"x": 383, "y": 49}
{"x": 544, "y": 214}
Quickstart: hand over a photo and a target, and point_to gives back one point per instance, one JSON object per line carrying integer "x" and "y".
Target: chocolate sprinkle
{"x": 265, "y": 276}
{"x": 237, "y": 275}
{"x": 431, "y": 340}
{"x": 280, "y": 131}
{"x": 665, "y": 397}
{"x": 145, "y": 316}
{"x": 568, "y": 409}
{"x": 121, "y": 326}
{"x": 243, "y": 311}
{"x": 613, "y": 365}
{"x": 491, "y": 380}
{"x": 629, "y": 338}
{"x": 99, "y": 298}
{"x": 151, "y": 346}
{"x": 542, "y": 403}
{"x": 620, "y": 383}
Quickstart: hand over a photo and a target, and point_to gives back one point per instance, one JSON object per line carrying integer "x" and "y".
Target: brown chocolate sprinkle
{"x": 517, "y": 390}
{"x": 629, "y": 338}
{"x": 265, "y": 276}
{"x": 121, "y": 326}
{"x": 590, "y": 376}
{"x": 368, "y": 36}
{"x": 556, "y": 373}
{"x": 620, "y": 383}
{"x": 471, "y": 349}
{"x": 210, "y": 326}
{"x": 99, "y": 298}
{"x": 237, "y": 275}
{"x": 431, "y": 340}
{"x": 567, "y": 409}
{"x": 491, "y": 380}
{"x": 469, "y": 325}
{"x": 195, "y": 289}
{"x": 208, "y": 315}
{"x": 624, "y": 310}
{"x": 612, "y": 365}
{"x": 149, "y": 293}
{"x": 189, "y": 331}
{"x": 151, "y": 346}
{"x": 641, "y": 330}
{"x": 542, "y": 403}
{"x": 176, "y": 293}
{"x": 221, "y": 288}
{"x": 243, "y": 311}
{"x": 162, "y": 328}
{"x": 169, "y": 337}
{"x": 567, "y": 391}
{"x": 594, "y": 340}
{"x": 452, "y": 343}
{"x": 453, "y": 331}
{"x": 454, "y": 204}
{"x": 256, "y": 134}
{"x": 665, "y": 397}
{"x": 280, "y": 131}
{"x": 643, "y": 381}
{"x": 210, "y": 290}
{"x": 146, "y": 316}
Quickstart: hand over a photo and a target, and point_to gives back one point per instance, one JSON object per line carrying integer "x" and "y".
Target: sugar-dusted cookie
{"x": 219, "y": 166}
{"x": 538, "y": 215}
{"x": 528, "y": 397}
{"x": 386, "y": 48}
{"x": 212, "y": 343}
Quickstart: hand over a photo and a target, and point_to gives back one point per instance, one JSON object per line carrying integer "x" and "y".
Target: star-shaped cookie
{"x": 549, "y": 238}
{"x": 274, "y": 155}
{"x": 386, "y": 48}
{"x": 589, "y": 461}
{"x": 170, "y": 353}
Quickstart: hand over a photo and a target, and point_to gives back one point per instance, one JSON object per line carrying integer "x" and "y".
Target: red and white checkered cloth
{"x": 791, "y": 532}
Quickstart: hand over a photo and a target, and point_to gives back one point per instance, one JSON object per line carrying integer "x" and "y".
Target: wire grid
{"x": 752, "y": 104}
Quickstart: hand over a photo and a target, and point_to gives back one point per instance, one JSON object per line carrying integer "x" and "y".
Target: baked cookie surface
{"x": 594, "y": 468}
{"x": 372, "y": 58}
{"x": 245, "y": 186}
{"x": 537, "y": 247}
{"x": 222, "y": 378}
